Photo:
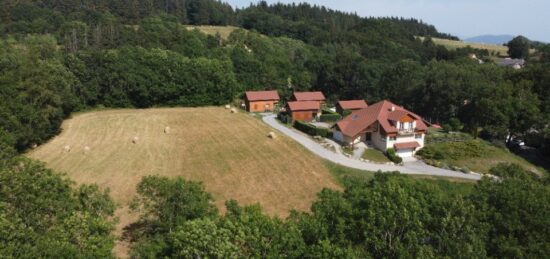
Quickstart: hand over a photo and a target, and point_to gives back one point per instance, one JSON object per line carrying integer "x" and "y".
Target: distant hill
{"x": 491, "y": 39}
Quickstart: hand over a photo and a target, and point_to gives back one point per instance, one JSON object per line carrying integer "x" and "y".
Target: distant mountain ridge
{"x": 491, "y": 39}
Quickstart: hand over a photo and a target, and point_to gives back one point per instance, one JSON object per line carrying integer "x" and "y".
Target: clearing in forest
{"x": 230, "y": 153}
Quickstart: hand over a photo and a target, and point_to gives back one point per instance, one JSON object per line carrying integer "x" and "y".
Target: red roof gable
{"x": 308, "y": 96}
{"x": 379, "y": 112}
{"x": 262, "y": 95}
{"x": 353, "y": 104}
{"x": 397, "y": 115}
{"x": 303, "y": 106}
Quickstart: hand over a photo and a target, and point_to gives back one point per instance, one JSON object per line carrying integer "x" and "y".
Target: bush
{"x": 454, "y": 150}
{"x": 330, "y": 117}
{"x": 430, "y": 152}
{"x": 347, "y": 112}
{"x": 312, "y": 130}
{"x": 328, "y": 111}
{"x": 455, "y": 124}
{"x": 284, "y": 118}
{"x": 390, "y": 152}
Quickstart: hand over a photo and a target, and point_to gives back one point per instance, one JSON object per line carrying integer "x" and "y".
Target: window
{"x": 383, "y": 138}
{"x": 393, "y": 138}
{"x": 418, "y": 136}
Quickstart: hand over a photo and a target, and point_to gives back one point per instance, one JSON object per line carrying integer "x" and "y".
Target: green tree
{"x": 165, "y": 203}
{"x": 42, "y": 215}
{"x": 202, "y": 238}
{"x": 516, "y": 210}
{"x": 519, "y": 47}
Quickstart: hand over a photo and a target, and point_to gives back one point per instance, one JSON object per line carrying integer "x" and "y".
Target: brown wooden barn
{"x": 308, "y": 97}
{"x": 303, "y": 111}
{"x": 261, "y": 101}
{"x": 352, "y": 105}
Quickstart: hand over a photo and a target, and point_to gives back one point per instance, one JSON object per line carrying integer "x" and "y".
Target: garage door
{"x": 405, "y": 152}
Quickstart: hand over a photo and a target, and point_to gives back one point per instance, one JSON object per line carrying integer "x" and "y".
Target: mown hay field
{"x": 454, "y": 44}
{"x": 230, "y": 153}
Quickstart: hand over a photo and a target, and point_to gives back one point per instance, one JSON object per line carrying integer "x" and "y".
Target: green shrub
{"x": 454, "y": 150}
{"x": 465, "y": 170}
{"x": 312, "y": 130}
{"x": 390, "y": 152}
{"x": 455, "y": 124}
{"x": 430, "y": 152}
{"x": 347, "y": 112}
{"x": 328, "y": 111}
{"x": 284, "y": 118}
{"x": 347, "y": 150}
{"x": 330, "y": 117}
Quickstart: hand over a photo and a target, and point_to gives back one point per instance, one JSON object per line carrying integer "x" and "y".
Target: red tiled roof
{"x": 353, "y": 104}
{"x": 308, "y": 96}
{"x": 397, "y": 115}
{"x": 262, "y": 95}
{"x": 303, "y": 106}
{"x": 406, "y": 145}
{"x": 379, "y": 112}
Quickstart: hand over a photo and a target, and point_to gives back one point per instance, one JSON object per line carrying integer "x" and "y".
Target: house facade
{"x": 382, "y": 126}
{"x": 261, "y": 101}
{"x": 351, "y": 105}
{"x": 303, "y": 111}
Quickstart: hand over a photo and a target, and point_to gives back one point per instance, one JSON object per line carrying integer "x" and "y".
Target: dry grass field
{"x": 453, "y": 44}
{"x": 230, "y": 153}
{"x": 224, "y": 31}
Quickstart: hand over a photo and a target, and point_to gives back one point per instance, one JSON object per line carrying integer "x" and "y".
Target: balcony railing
{"x": 408, "y": 131}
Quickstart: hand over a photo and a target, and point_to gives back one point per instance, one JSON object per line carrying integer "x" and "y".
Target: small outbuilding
{"x": 303, "y": 111}
{"x": 309, "y": 97}
{"x": 261, "y": 101}
{"x": 351, "y": 105}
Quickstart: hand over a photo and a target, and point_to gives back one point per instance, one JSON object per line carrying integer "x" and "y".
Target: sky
{"x": 462, "y": 18}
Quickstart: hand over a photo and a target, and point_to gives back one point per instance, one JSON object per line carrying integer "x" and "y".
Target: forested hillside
{"x": 62, "y": 56}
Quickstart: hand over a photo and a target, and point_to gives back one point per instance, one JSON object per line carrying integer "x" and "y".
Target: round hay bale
{"x": 233, "y": 110}
{"x": 67, "y": 148}
{"x": 86, "y": 149}
{"x": 135, "y": 140}
{"x": 166, "y": 130}
{"x": 227, "y": 107}
{"x": 33, "y": 146}
{"x": 272, "y": 135}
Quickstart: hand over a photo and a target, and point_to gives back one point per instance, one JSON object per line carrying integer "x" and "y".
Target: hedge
{"x": 284, "y": 118}
{"x": 330, "y": 117}
{"x": 390, "y": 152}
{"x": 327, "y": 111}
{"x": 347, "y": 112}
{"x": 312, "y": 130}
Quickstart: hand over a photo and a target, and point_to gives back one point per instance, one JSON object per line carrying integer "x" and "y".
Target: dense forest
{"x": 61, "y": 56}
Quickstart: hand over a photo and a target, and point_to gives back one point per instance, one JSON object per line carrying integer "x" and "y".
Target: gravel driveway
{"x": 413, "y": 168}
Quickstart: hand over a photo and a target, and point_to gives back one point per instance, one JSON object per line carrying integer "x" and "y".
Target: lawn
{"x": 451, "y": 186}
{"x": 475, "y": 155}
{"x": 230, "y": 153}
{"x": 375, "y": 155}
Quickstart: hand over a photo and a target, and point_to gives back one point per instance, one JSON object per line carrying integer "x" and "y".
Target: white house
{"x": 383, "y": 125}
